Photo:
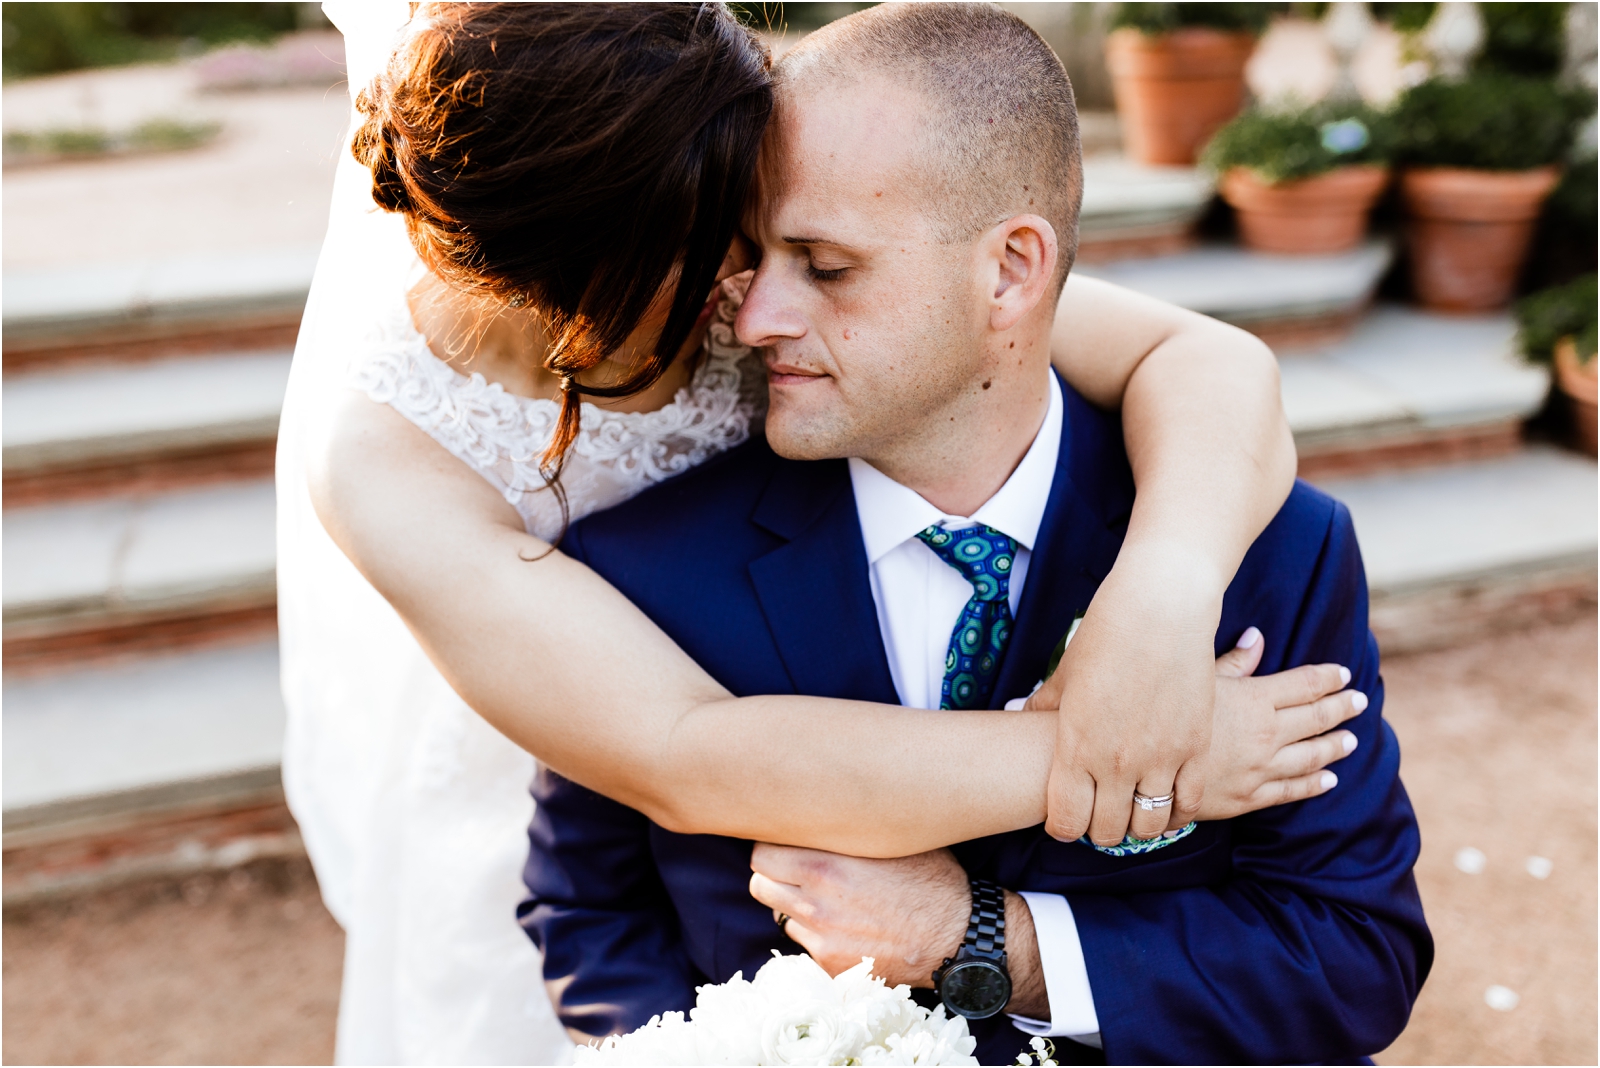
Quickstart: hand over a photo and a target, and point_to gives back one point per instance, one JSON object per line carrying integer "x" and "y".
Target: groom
{"x": 925, "y": 468}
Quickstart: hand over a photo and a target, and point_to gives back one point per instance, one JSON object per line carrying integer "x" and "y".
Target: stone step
{"x": 91, "y": 428}
{"x": 1289, "y": 301}
{"x": 1409, "y": 387}
{"x": 139, "y": 309}
{"x": 116, "y": 729}
{"x": 137, "y": 572}
{"x": 1133, "y": 210}
{"x": 161, "y": 765}
{"x": 1458, "y": 551}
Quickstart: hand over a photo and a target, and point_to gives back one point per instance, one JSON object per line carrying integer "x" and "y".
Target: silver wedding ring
{"x": 1150, "y": 804}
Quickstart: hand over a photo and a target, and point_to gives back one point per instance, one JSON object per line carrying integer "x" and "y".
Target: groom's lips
{"x": 783, "y": 374}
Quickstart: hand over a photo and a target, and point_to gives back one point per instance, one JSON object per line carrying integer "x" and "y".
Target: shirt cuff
{"x": 1066, "y": 974}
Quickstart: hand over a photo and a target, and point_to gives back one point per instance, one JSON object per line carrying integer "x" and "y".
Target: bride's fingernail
{"x": 1358, "y": 700}
{"x": 1349, "y": 744}
{"x": 1329, "y": 780}
{"x": 1344, "y": 676}
{"x": 1248, "y": 639}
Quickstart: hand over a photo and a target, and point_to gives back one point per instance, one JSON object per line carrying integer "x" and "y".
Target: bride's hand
{"x": 1272, "y": 737}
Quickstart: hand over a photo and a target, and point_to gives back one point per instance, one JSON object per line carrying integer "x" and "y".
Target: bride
{"x": 560, "y": 187}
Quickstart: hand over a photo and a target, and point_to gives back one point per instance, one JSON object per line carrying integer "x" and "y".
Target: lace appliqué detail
{"x": 616, "y": 454}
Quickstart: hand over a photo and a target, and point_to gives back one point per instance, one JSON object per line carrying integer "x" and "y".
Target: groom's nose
{"x": 769, "y": 313}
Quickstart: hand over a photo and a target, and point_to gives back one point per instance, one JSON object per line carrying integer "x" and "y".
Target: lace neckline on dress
{"x": 501, "y": 435}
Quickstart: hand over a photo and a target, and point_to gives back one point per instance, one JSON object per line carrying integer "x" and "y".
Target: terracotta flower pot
{"x": 1469, "y": 232}
{"x": 1579, "y": 382}
{"x": 1175, "y": 90}
{"x": 1323, "y": 213}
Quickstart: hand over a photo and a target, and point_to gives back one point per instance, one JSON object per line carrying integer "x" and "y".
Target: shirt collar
{"x": 891, "y": 514}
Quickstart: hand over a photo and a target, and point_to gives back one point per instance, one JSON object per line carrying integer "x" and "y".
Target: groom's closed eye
{"x": 819, "y": 274}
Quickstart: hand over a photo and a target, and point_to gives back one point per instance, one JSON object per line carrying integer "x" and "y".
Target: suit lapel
{"x": 815, "y": 590}
{"x": 1084, "y": 521}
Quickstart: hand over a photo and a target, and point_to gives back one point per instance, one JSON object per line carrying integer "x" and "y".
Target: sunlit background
{"x": 1400, "y": 198}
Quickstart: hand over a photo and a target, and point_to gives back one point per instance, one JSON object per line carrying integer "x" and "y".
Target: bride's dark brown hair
{"x": 571, "y": 157}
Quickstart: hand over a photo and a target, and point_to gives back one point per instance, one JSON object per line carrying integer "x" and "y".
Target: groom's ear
{"x": 1021, "y": 256}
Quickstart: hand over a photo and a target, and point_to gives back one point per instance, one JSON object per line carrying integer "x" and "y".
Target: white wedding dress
{"x": 413, "y": 809}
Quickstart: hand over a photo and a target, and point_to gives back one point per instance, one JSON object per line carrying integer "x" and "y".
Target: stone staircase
{"x": 141, "y": 705}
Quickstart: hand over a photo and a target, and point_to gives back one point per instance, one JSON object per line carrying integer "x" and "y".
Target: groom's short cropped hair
{"x": 1001, "y": 131}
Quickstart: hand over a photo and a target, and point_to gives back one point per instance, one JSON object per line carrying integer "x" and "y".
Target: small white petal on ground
{"x": 1501, "y": 998}
{"x": 1470, "y": 860}
{"x": 1540, "y": 867}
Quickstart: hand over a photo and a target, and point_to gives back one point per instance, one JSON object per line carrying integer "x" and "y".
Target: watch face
{"x": 975, "y": 989}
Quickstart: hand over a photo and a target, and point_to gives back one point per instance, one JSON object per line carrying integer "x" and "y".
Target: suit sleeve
{"x": 597, "y": 908}
{"x": 613, "y": 955}
{"x": 1314, "y": 949}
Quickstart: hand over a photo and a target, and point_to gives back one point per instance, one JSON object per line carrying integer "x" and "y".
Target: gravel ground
{"x": 1498, "y": 744}
{"x": 239, "y": 968}
{"x": 1499, "y": 740}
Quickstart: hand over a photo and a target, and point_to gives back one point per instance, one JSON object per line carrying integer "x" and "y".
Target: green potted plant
{"x": 1479, "y": 157}
{"x": 1556, "y": 326}
{"x": 1302, "y": 180}
{"x": 1177, "y": 72}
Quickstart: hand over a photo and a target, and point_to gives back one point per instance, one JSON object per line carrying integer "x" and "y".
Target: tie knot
{"x": 983, "y": 555}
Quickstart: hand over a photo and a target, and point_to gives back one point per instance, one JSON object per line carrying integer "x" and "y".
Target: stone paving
{"x": 264, "y": 184}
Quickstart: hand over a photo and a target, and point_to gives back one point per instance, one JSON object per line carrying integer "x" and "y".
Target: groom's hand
{"x": 908, "y": 914}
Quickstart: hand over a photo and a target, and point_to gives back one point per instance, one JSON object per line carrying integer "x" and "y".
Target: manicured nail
{"x": 1344, "y": 676}
{"x": 1358, "y": 700}
{"x": 1329, "y": 780}
{"x": 1349, "y": 743}
{"x": 1248, "y": 639}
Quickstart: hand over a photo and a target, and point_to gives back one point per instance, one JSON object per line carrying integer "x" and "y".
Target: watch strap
{"x": 986, "y": 928}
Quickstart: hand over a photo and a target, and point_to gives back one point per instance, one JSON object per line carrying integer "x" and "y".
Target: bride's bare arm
{"x": 570, "y": 670}
{"x": 1213, "y": 460}
{"x": 566, "y": 667}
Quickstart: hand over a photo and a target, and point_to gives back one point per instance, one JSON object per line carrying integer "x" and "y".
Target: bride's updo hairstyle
{"x": 572, "y": 157}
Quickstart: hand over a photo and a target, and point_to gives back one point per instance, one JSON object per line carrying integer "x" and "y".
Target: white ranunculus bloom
{"x": 793, "y": 1012}
{"x": 815, "y": 1033}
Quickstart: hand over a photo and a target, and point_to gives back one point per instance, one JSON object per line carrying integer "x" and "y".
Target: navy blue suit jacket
{"x": 1289, "y": 935}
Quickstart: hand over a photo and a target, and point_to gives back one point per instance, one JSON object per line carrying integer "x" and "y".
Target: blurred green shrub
{"x": 42, "y": 38}
{"x": 1281, "y": 145}
{"x": 156, "y": 135}
{"x": 1407, "y": 17}
{"x": 1154, "y": 19}
{"x": 1523, "y": 38}
{"x": 1488, "y": 121}
{"x": 1549, "y": 315}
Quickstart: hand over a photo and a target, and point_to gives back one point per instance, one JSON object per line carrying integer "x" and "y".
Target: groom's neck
{"x": 959, "y": 455}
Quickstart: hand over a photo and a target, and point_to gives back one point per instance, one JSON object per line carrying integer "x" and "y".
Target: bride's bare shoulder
{"x": 382, "y": 487}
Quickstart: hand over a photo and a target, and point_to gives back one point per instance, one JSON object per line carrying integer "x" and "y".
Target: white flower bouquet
{"x": 793, "y": 1012}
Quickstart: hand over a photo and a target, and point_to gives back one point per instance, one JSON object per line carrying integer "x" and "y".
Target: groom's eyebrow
{"x": 814, "y": 241}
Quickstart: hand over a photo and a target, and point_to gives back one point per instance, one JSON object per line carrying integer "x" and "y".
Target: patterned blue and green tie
{"x": 984, "y": 557}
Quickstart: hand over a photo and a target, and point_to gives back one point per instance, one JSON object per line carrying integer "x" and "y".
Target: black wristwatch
{"x": 975, "y": 983}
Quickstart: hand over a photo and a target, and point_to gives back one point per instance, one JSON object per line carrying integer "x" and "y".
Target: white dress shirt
{"x": 919, "y": 598}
